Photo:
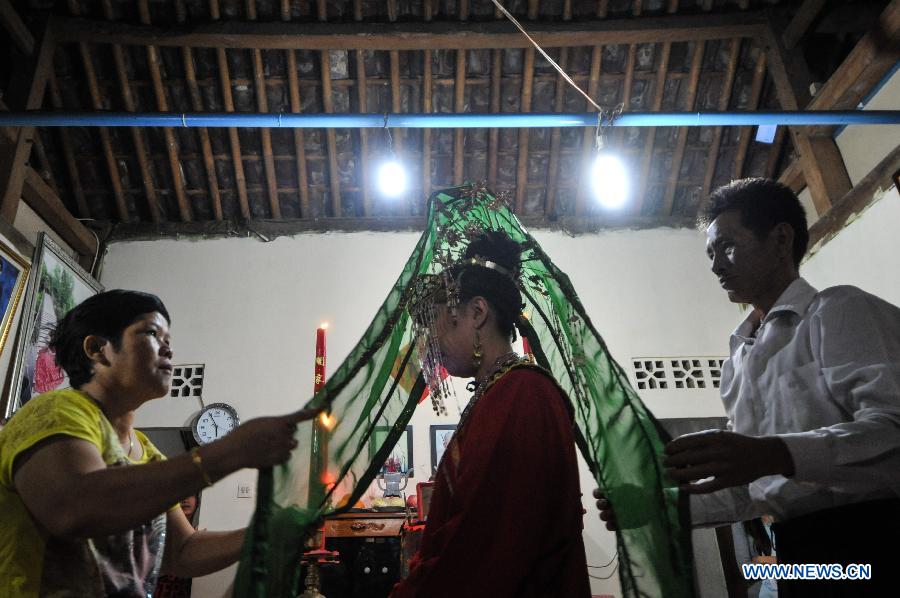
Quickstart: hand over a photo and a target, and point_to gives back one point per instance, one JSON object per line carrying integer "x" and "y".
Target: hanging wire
{"x": 552, "y": 62}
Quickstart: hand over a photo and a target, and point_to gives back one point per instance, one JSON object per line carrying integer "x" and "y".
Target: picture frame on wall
{"x": 400, "y": 458}
{"x": 56, "y": 284}
{"x": 440, "y": 435}
{"x": 13, "y": 275}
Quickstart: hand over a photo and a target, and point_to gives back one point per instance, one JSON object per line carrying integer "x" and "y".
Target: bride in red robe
{"x": 506, "y": 514}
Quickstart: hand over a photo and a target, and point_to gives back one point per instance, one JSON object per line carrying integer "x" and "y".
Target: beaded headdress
{"x": 444, "y": 287}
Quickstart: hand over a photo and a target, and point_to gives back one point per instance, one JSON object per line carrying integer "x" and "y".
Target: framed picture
{"x": 56, "y": 285}
{"x": 440, "y": 439}
{"x": 400, "y": 459}
{"x": 13, "y": 275}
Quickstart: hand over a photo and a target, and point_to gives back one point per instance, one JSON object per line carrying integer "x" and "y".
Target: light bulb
{"x": 609, "y": 180}
{"x": 392, "y": 178}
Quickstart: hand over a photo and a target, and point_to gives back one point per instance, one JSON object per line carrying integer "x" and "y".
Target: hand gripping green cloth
{"x": 379, "y": 386}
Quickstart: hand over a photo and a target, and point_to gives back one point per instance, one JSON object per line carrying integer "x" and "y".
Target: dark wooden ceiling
{"x": 384, "y": 56}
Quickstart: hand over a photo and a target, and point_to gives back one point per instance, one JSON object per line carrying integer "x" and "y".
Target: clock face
{"x": 214, "y": 422}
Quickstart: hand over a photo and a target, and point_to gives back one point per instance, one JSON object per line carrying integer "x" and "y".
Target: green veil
{"x": 379, "y": 386}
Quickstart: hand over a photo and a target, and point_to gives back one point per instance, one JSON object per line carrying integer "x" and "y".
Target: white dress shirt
{"x": 822, "y": 372}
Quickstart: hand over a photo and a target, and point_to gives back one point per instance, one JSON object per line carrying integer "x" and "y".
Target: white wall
{"x": 249, "y": 311}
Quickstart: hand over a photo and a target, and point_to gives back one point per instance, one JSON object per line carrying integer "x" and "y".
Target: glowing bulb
{"x": 609, "y": 180}
{"x": 392, "y": 178}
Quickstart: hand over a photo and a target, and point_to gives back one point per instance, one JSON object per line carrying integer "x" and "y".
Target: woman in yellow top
{"x": 87, "y": 500}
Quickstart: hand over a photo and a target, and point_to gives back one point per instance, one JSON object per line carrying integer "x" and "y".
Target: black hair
{"x": 763, "y": 204}
{"x": 107, "y": 314}
{"x": 500, "y": 290}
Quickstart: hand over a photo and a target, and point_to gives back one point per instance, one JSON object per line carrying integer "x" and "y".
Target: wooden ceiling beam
{"x": 801, "y": 22}
{"x": 864, "y": 68}
{"x": 18, "y": 32}
{"x": 863, "y": 194}
{"x": 262, "y": 104}
{"x": 296, "y": 108}
{"x": 240, "y": 180}
{"x": 330, "y": 136}
{"x": 647, "y": 158}
{"x": 823, "y": 167}
{"x": 41, "y": 198}
{"x": 681, "y": 141}
{"x": 137, "y": 135}
{"x": 712, "y": 159}
{"x": 792, "y": 176}
{"x": 362, "y": 100}
{"x": 525, "y": 106}
{"x": 399, "y": 135}
{"x": 556, "y": 138}
{"x": 415, "y": 35}
{"x": 32, "y": 81}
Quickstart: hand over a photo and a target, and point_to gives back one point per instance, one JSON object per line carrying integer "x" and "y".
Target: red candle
{"x": 320, "y": 358}
{"x": 318, "y": 475}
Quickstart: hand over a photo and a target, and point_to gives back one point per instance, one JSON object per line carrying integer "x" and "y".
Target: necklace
{"x": 500, "y": 367}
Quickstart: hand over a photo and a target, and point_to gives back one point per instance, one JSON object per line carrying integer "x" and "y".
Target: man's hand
{"x": 606, "y": 512}
{"x": 729, "y": 459}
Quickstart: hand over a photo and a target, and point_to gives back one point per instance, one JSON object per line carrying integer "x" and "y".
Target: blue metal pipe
{"x": 443, "y": 121}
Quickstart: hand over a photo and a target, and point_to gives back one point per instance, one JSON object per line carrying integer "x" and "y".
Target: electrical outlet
{"x": 245, "y": 490}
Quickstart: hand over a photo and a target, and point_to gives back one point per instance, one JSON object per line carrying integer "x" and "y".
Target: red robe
{"x": 506, "y": 514}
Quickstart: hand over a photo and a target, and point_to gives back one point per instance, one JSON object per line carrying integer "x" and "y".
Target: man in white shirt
{"x": 812, "y": 392}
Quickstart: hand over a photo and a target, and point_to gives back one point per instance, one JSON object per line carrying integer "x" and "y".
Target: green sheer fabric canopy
{"x": 379, "y": 385}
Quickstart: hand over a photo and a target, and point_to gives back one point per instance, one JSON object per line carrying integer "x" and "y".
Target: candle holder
{"x": 314, "y": 559}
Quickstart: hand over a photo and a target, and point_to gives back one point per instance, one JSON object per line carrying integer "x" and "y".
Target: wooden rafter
{"x": 262, "y": 103}
{"x": 459, "y": 97}
{"x": 16, "y": 29}
{"x": 494, "y": 134}
{"x": 746, "y": 133}
{"x": 105, "y": 139}
{"x": 33, "y": 83}
{"x": 416, "y": 36}
{"x": 426, "y": 133}
{"x": 362, "y": 99}
{"x": 774, "y": 157}
{"x": 212, "y": 180}
{"x": 712, "y": 158}
{"x": 647, "y": 157}
{"x": 299, "y": 143}
{"x": 681, "y": 141}
{"x": 522, "y": 165}
{"x": 46, "y": 203}
{"x": 399, "y": 134}
{"x": 137, "y": 135}
{"x": 162, "y": 105}
{"x": 587, "y": 140}
{"x": 801, "y": 21}
{"x": 40, "y": 152}
{"x": 556, "y": 137}
{"x": 69, "y": 153}
{"x": 330, "y": 136}
{"x": 823, "y": 167}
{"x": 240, "y": 180}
